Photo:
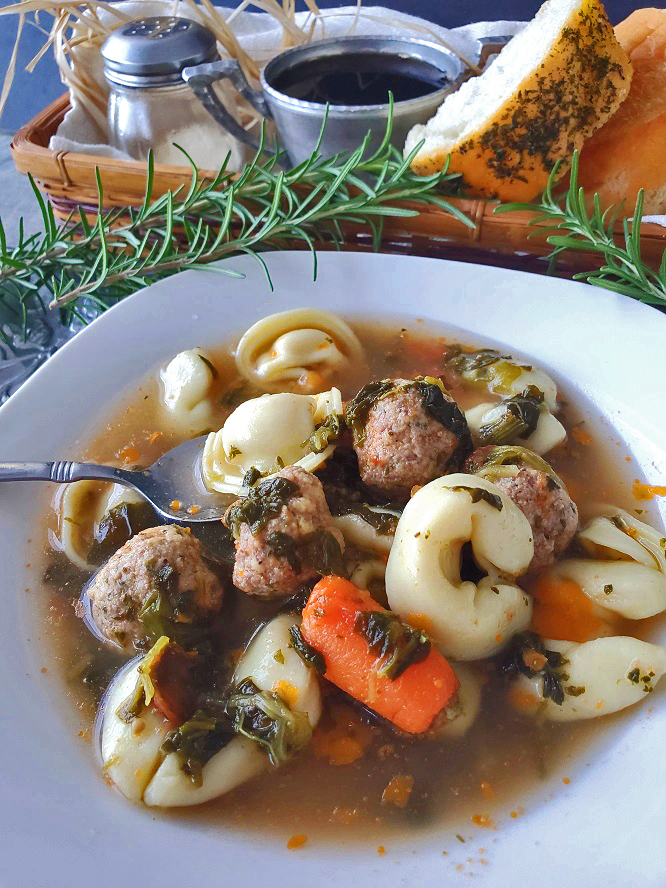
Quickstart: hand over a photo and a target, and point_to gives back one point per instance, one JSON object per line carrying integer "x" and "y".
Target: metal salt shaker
{"x": 150, "y": 106}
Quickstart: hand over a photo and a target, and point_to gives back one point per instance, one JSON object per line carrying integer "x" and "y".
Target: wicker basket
{"x": 69, "y": 181}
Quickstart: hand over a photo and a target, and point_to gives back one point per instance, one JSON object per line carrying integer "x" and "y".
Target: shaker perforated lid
{"x": 153, "y": 51}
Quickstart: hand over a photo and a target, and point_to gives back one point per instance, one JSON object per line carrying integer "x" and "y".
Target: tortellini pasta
{"x": 626, "y": 568}
{"x": 598, "y": 677}
{"x": 504, "y": 376}
{"x": 365, "y": 536}
{"x": 549, "y": 431}
{"x": 285, "y": 347}
{"x": 463, "y": 714}
{"x": 269, "y": 432}
{"x": 131, "y": 753}
{"x": 467, "y": 620}
{"x": 186, "y": 384}
{"x": 80, "y": 507}
{"x": 367, "y": 572}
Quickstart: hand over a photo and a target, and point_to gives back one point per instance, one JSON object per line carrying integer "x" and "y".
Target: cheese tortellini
{"x": 131, "y": 751}
{"x": 284, "y": 348}
{"x": 625, "y": 570}
{"x": 462, "y": 715}
{"x": 598, "y": 677}
{"x": 503, "y": 376}
{"x": 548, "y": 433}
{"x": 529, "y": 400}
{"x": 467, "y": 620}
{"x": 186, "y": 386}
{"x": 80, "y": 507}
{"x": 376, "y": 537}
{"x": 267, "y": 433}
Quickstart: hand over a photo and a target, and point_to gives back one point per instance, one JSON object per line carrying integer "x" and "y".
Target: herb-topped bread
{"x": 628, "y": 152}
{"x": 550, "y": 88}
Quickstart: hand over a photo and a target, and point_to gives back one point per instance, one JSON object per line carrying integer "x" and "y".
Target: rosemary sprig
{"x": 572, "y": 227}
{"x": 76, "y": 263}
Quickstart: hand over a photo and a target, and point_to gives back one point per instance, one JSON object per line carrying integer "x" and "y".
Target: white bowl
{"x": 62, "y": 826}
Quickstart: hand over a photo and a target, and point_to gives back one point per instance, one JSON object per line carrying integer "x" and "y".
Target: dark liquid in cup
{"x": 361, "y": 78}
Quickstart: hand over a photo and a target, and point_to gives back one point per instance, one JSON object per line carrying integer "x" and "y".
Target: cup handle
{"x": 490, "y": 46}
{"x": 200, "y": 78}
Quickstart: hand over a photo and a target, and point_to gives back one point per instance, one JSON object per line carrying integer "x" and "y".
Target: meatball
{"x": 549, "y": 509}
{"x": 278, "y": 559}
{"x": 404, "y": 445}
{"x": 163, "y": 560}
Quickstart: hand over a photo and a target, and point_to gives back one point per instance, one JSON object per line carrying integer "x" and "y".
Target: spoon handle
{"x": 62, "y": 471}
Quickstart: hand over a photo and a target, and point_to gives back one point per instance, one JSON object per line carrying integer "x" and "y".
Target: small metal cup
{"x": 299, "y": 123}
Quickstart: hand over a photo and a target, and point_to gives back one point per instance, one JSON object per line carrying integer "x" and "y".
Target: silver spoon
{"x": 174, "y": 478}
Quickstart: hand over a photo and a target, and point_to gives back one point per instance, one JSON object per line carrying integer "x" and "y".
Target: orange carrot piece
{"x": 413, "y": 699}
{"x": 563, "y": 611}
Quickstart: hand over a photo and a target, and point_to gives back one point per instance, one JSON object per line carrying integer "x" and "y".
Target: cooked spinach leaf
{"x": 319, "y": 550}
{"x": 479, "y": 494}
{"x": 263, "y": 502}
{"x": 265, "y": 718}
{"x": 446, "y": 411}
{"x": 356, "y": 411}
{"x": 435, "y": 402}
{"x": 284, "y": 546}
{"x": 397, "y": 644}
{"x": 119, "y": 525}
{"x": 499, "y": 459}
{"x": 517, "y": 417}
{"x": 198, "y": 739}
{"x": 133, "y": 705}
{"x": 309, "y": 655}
{"x": 526, "y": 654}
{"x": 167, "y": 611}
{"x": 325, "y": 434}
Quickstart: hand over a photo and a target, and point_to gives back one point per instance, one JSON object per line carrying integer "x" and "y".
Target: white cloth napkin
{"x": 261, "y": 35}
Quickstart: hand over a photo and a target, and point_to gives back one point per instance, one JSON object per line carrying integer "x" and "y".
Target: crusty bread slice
{"x": 628, "y": 152}
{"x": 550, "y": 88}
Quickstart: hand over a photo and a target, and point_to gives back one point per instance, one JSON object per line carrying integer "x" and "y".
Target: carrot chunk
{"x": 562, "y": 610}
{"x": 333, "y": 624}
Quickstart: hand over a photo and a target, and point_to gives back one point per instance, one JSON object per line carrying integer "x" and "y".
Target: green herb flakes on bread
{"x": 561, "y": 78}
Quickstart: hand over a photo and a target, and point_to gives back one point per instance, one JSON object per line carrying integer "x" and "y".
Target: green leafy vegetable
{"x": 480, "y": 494}
{"x": 356, "y": 411}
{"x": 517, "y": 417}
{"x": 526, "y": 654}
{"x": 198, "y": 739}
{"x": 263, "y": 502}
{"x": 310, "y": 656}
{"x": 168, "y": 612}
{"x": 319, "y": 550}
{"x": 284, "y": 546}
{"x": 325, "y": 434}
{"x": 501, "y": 462}
{"x": 435, "y": 402}
{"x": 486, "y": 367}
{"x": 119, "y": 525}
{"x": 265, "y": 718}
{"x": 392, "y": 641}
{"x": 132, "y": 706}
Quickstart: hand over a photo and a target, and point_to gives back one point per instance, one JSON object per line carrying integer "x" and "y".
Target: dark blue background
{"x": 31, "y": 93}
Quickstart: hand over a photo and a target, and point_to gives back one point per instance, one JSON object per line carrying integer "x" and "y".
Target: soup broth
{"x": 358, "y": 781}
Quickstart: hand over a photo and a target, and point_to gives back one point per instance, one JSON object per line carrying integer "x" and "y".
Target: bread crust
{"x": 628, "y": 152}
{"x": 578, "y": 86}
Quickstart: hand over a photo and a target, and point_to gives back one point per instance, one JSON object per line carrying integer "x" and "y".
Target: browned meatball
{"x": 549, "y": 509}
{"x": 476, "y": 460}
{"x": 286, "y": 536}
{"x": 404, "y": 444}
{"x": 159, "y": 560}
